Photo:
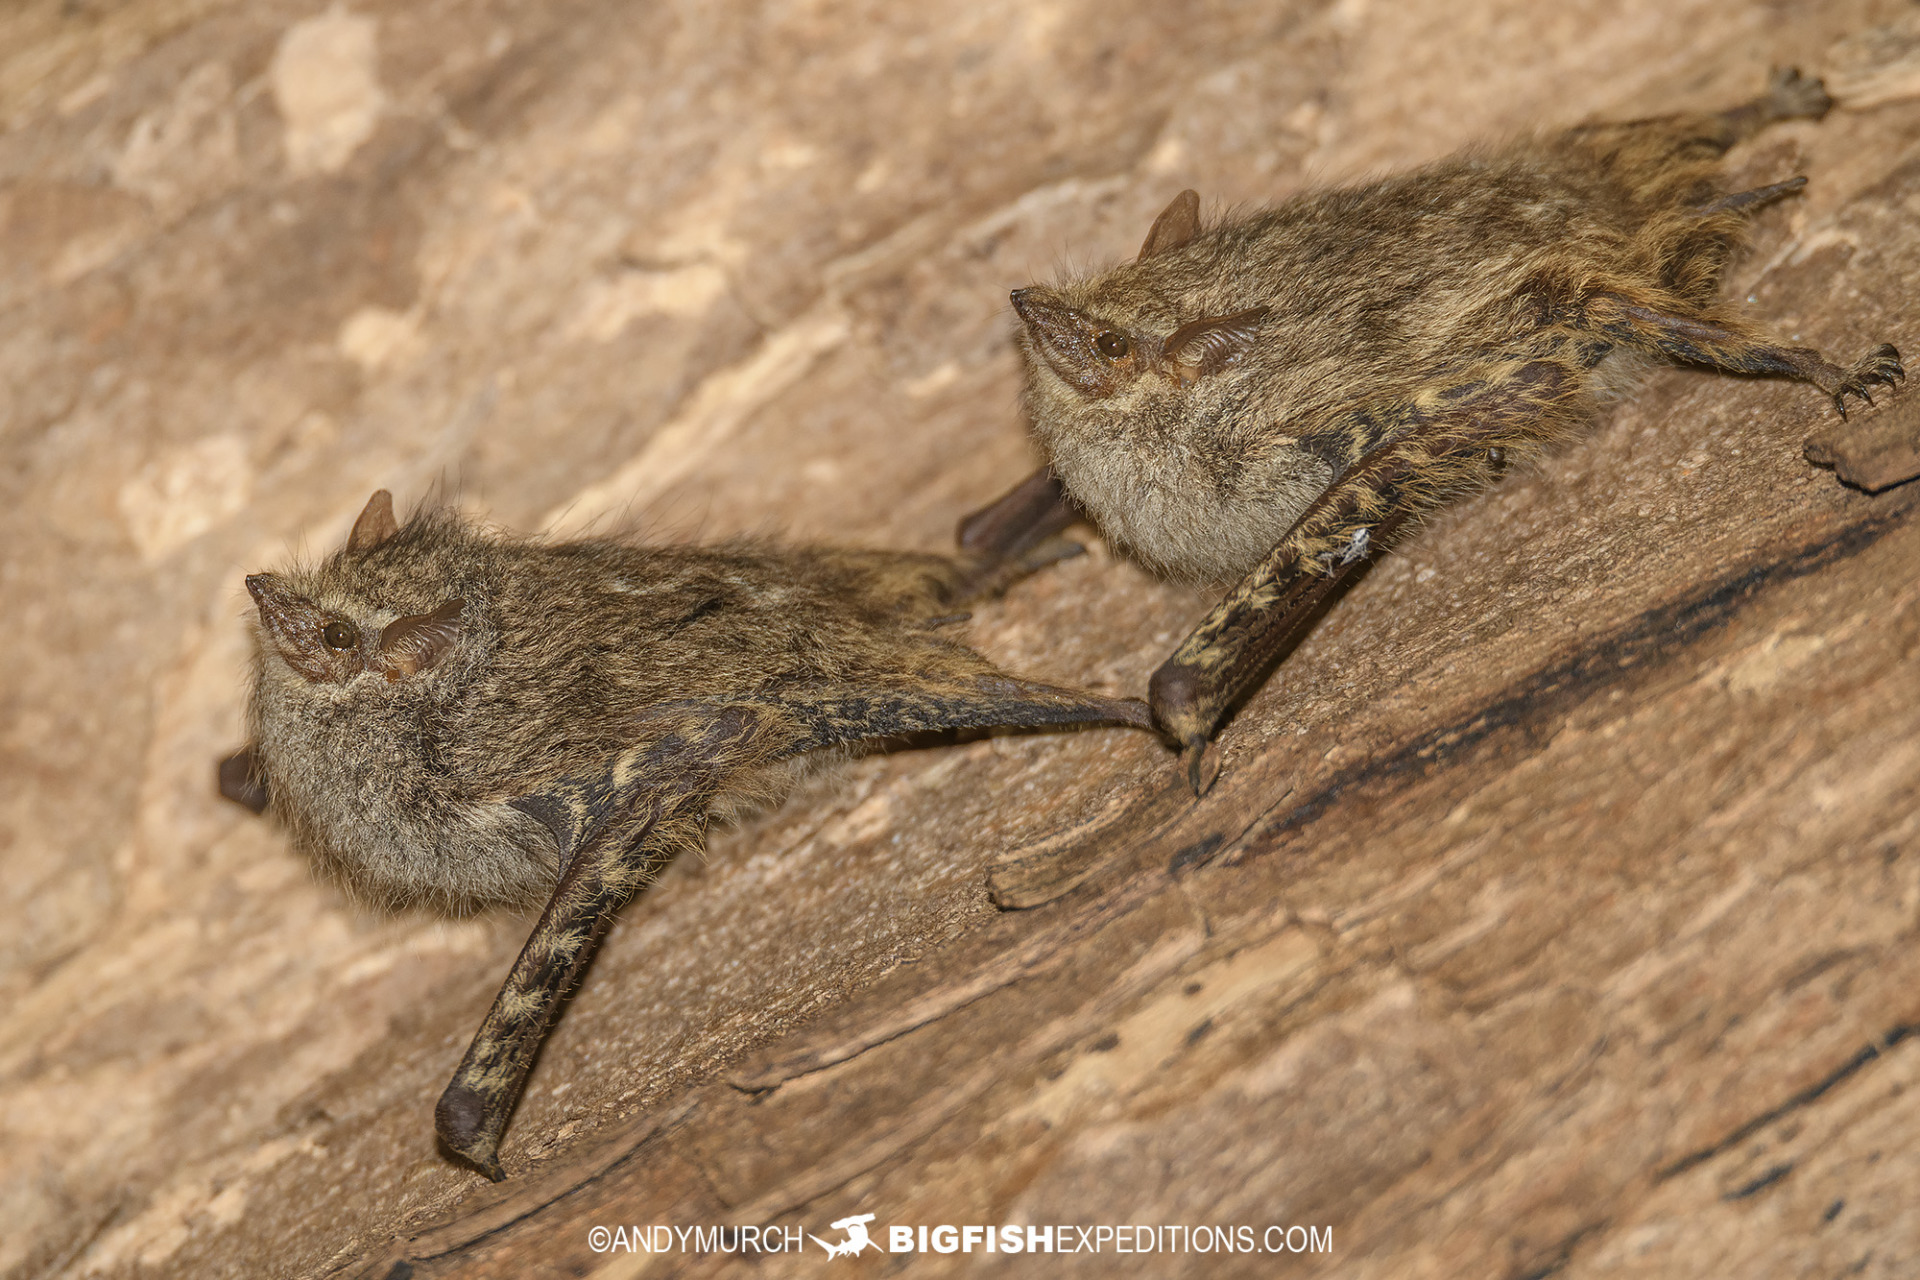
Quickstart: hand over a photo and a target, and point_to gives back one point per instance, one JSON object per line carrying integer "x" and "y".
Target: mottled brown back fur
{"x": 566, "y": 655}
{"x": 1378, "y": 305}
{"x": 448, "y": 713}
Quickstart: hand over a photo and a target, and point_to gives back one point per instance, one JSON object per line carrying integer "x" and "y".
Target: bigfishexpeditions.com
{"x": 855, "y": 1239}
{"x": 1072, "y": 1238}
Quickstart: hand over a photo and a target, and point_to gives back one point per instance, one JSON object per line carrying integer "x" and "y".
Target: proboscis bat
{"x": 444, "y": 713}
{"x": 1273, "y": 398}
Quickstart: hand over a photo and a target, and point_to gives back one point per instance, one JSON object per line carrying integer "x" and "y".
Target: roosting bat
{"x": 444, "y": 713}
{"x": 1273, "y": 398}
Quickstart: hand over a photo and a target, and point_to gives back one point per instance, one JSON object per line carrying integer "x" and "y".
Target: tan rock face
{"x": 1554, "y": 909}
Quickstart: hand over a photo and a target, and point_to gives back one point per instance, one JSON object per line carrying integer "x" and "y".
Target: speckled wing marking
{"x": 616, "y": 827}
{"x": 1441, "y": 449}
{"x": 614, "y": 830}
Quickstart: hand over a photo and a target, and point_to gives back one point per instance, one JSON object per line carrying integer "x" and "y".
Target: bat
{"x": 1271, "y": 400}
{"x": 448, "y": 714}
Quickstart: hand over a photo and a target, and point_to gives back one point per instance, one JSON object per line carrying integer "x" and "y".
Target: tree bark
{"x": 1553, "y": 912}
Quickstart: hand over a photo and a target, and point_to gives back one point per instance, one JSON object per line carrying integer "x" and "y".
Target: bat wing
{"x": 830, "y": 714}
{"x": 616, "y": 826}
{"x": 614, "y": 829}
{"x": 243, "y": 779}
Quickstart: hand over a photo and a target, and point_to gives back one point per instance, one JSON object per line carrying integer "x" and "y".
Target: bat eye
{"x": 1113, "y": 345}
{"x": 338, "y": 635}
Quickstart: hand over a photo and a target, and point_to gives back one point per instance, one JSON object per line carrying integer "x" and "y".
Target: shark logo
{"x": 857, "y": 1237}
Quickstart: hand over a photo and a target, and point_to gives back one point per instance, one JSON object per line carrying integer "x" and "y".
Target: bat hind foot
{"x": 1879, "y": 367}
{"x": 1792, "y": 95}
{"x": 1789, "y": 96}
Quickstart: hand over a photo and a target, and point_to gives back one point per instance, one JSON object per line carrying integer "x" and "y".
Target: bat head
{"x": 1138, "y": 343}
{"x": 368, "y": 723}
{"x": 330, "y": 634}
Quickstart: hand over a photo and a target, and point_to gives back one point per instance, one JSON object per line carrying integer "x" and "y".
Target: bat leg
{"x": 1018, "y": 534}
{"x": 1232, "y": 649}
{"x": 243, "y": 779}
{"x": 1733, "y": 351}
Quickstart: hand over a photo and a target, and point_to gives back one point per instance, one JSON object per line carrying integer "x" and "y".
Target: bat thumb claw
{"x": 1202, "y": 760}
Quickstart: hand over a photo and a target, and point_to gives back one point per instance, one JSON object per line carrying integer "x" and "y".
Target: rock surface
{"x": 1554, "y": 913}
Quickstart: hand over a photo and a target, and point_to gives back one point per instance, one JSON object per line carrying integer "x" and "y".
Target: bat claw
{"x": 1202, "y": 760}
{"x": 1879, "y": 367}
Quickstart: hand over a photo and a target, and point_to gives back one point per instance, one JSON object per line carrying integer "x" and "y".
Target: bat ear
{"x": 1210, "y": 344}
{"x": 411, "y": 645}
{"x": 376, "y": 525}
{"x": 1178, "y": 223}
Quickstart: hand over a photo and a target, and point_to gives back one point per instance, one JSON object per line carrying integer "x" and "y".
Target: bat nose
{"x": 266, "y": 591}
{"x": 1023, "y": 300}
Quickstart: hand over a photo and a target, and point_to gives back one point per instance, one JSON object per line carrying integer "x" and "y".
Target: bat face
{"x": 1094, "y": 358}
{"x": 363, "y": 693}
{"x": 332, "y": 646}
{"x": 1139, "y": 336}
{"x": 1144, "y": 393}
{"x": 1102, "y": 358}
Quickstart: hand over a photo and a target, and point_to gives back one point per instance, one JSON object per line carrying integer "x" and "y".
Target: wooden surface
{"x": 1554, "y": 912}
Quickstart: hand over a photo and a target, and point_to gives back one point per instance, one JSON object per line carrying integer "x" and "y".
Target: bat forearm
{"x": 1017, "y": 534}
{"x": 472, "y": 1113}
{"x": 1030, "y": 512}
{"x": 1438, "y": 455}
{"x": 243, "y": 779}
{"x": 834, "y": 715}
{"x": 613, "y": 831}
